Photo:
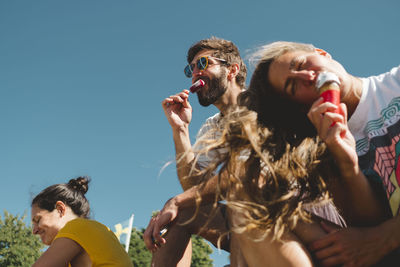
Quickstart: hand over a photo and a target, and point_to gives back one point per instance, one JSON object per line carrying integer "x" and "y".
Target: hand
{"x": 332, "y": 128}
{"x": 163, "y": 218}
{"x": 177, "y": 109}
{"x": 350, "y": 247}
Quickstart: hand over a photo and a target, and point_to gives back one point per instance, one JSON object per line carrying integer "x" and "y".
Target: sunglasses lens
{"x": 202, "y": 63}
{"x": 188, "y": 71}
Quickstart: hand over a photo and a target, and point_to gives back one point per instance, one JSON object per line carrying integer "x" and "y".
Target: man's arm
{"x": 358, "y": 246}
{"x": 178, "y": 111}
{"x": 184, "y": 157}
{"x": 170, "y": 211}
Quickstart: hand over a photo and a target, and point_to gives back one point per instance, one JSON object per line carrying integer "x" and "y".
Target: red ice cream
{"x": 328, "y": 88}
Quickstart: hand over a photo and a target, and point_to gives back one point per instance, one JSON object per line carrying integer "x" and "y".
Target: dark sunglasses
{"x": 202, "y": 64}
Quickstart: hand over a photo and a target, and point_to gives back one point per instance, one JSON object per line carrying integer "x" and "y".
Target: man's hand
{"x": 179, "y": 114}
{"x": 163, "y": 218}
{"x": 178, "y": 110}
{"x": 350, "y": 247}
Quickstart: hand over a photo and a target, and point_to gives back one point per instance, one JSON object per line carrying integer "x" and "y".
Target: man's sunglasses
{"x": 202, "y": 64}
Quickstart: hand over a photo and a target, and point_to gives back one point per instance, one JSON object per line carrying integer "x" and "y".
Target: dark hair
{"x": 222, "y": 49}
{"x": 275, "y": 111}
{"x": 71, "y": 194}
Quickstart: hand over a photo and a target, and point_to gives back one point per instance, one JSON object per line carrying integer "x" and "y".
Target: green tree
{"x": 142, "y": 257}
{"x": 18, "y": 246}
{"x": 201, "y": 253}
{"x": 138, "y": 252}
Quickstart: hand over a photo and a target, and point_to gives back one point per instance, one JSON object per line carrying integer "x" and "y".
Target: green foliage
{"x": 201, "y": 253}
{"x": 18, "y": 246}
{"x": 142, "y": 257}
{"x": 138, "y": 252}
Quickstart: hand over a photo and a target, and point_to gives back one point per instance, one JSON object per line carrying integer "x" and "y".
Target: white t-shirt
{"x": 375, "y": 125}
{"x": 212, "y": 123}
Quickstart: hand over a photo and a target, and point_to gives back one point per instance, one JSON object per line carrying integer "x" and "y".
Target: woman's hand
{"x": 332, "y": 128}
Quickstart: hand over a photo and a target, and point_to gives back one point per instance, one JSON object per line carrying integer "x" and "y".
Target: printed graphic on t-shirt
{"x": 381, "y": 149}
{"x": 388, "y": 167}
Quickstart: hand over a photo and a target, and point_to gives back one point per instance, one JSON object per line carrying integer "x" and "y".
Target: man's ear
{"x": 233, "y": 71}
{"x": 322, "y": 52}
{"x": 60, "y": 207}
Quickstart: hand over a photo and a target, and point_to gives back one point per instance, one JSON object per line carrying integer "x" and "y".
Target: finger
{"x": 157, "y": 240}
{"x": 183, "y": 94}
{"x": 322, "y": 107}
{"x": 172, "y": 102}
{"x": 166, "y": 101}
{"x": 326, "y": 253}
{"x": 316, "y": 113}
{"x": 340, "y": 129}
{"x": 332, "y": 127}
{"x": 322, "y": 243}
{"x": 186, "y": 103}
{"x": 343, "y": 111}
{"x": 335, "y": 260}
{"x": 177, "y": 98}
{"x": 328, "y": 130}
{"x": 328, "y": 228}
{"x": 325, "y": 131}
{"x": 149, "y": 244}
{"x": 318, "y": 102}
{"x": 335, "y": 117}
{"x": 147, "y": 236}
{"x": 313, "y": 110}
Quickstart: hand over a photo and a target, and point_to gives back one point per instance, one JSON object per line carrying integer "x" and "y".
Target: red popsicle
{"x": 197, "y": 85}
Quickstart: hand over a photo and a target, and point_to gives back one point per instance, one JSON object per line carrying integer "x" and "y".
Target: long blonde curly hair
{"x": 268, "y": 172}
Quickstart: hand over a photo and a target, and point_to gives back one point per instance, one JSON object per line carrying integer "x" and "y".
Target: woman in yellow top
{"x": 60, "y": 217}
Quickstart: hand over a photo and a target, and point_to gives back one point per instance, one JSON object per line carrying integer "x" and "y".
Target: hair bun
{"x": 80, "y": 184}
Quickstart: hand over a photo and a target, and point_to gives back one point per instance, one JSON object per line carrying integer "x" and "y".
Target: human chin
{"x": 48, "y": 237}
{"x": 216, "y": 88}
{"x": 204, "y": 100}
{"x": 210, "y": 97}
{"x": 206, "y": 96}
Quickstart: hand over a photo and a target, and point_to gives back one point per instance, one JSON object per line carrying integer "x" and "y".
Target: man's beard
{"x": 216, "y": 88}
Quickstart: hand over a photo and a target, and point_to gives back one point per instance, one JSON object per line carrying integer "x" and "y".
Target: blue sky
{"x": 81, "y": 85}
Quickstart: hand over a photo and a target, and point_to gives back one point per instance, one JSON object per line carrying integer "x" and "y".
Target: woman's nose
{"x": 35, "y": 229}
{"x": 307, "y": 75}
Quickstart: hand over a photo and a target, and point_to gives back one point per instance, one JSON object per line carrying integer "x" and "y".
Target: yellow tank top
{"x": 98, "y": 241}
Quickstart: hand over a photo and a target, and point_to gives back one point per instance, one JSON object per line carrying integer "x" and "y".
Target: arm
{"x": 353, "y": 186}
{"x": 60, "y": 253}
{"x": 358, "y": 246}
{"x": 172, "y": 207}
{"x": 178, "y": 111}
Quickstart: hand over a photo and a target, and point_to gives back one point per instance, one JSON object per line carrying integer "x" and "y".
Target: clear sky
{"x": 81, "y": 85}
